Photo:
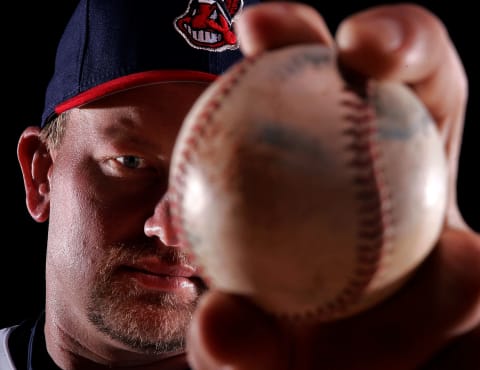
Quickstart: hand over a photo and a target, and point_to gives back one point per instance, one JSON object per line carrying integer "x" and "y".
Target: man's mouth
{"x": 152, "y": 273}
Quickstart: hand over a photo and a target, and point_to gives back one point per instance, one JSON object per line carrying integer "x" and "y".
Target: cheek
{"x": 107, "y": 209}
{"x": 75, "y": 227}
{"x": 72, "y": 199}
{"x": 123, "y": 205}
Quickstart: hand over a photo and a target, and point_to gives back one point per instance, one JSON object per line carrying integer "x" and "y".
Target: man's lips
{"x": 153, "y": 274}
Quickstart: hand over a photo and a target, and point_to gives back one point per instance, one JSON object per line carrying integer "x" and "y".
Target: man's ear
{"x": 35, "y": 163}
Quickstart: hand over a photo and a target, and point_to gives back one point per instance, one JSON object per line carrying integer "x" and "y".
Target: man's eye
{"x": 131, "y": 161}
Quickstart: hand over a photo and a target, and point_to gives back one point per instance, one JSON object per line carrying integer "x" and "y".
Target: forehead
{"x": 161, "y": 104}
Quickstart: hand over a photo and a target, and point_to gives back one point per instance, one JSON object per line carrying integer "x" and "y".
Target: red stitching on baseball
{"x": 372, "y": 194}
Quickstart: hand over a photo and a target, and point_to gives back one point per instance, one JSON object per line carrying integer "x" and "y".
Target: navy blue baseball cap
{"x": 113, "y": 45}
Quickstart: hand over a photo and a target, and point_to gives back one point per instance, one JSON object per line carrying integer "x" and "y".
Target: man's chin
{"x": 146, "y": 322}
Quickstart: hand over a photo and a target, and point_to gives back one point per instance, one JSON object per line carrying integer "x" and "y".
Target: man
{"x": 120, "y": 290}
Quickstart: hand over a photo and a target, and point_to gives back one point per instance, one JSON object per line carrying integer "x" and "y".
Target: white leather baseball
{"x": 293, "y": 190}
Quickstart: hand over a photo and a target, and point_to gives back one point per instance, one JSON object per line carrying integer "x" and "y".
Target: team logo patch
{"x": 208, "y": 24}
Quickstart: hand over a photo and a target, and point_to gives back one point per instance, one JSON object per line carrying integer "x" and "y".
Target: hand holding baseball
{"x": 420, "y": 316}
{"x": 314, "y": 197}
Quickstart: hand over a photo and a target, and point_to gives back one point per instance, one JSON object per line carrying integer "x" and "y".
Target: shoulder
{"x": 14, "y": 345}
{"x": 5, "y": 332}
{"x": 6, "y": 360}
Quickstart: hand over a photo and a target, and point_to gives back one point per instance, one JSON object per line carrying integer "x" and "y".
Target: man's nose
{"x": 160, "y": 223}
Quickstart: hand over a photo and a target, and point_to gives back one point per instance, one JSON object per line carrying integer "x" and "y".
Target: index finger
{"x": 409, "y": 44}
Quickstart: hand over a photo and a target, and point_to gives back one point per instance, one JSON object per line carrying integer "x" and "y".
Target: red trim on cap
{"x": 133, "y": 80}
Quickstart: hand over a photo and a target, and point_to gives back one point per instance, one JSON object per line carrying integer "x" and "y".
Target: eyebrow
{"x": 123, "y": 130}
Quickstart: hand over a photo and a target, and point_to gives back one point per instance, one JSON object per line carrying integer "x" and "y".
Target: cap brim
{"x": 131, "y": 81}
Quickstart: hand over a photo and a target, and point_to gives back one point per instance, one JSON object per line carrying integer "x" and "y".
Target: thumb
{"x": 227, "y": 331}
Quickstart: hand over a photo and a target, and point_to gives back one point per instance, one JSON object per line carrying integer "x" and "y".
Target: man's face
{"x": 113, "y": 262}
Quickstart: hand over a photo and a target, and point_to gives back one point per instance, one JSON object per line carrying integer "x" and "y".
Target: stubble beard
{"x": 147, "y": 322}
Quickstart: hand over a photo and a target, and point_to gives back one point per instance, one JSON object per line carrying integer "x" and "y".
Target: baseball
{"x": 295, "y": 191}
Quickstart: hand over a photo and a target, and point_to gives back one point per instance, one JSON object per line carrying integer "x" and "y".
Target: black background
{"x": 30, "y": 34}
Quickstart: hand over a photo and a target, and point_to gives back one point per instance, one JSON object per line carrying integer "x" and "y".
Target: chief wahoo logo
{"x": 208, "y": 24}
